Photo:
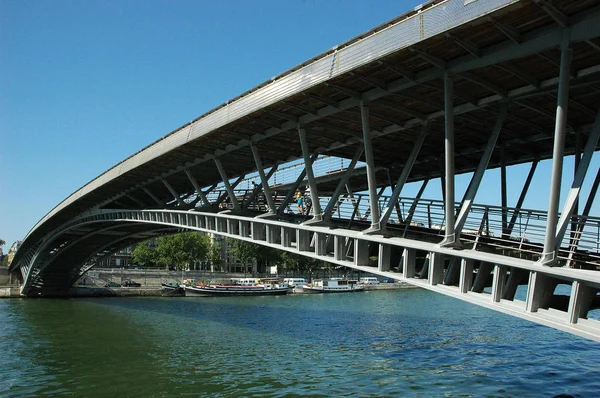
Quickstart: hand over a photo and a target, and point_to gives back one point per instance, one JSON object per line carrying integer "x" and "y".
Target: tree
{"x": 214, "y": 256}
{"x": 143, "y": 254}
{"x": 2, "y": 243}
{"x": 243, "y": 251}
{"x": 180, "y": 250}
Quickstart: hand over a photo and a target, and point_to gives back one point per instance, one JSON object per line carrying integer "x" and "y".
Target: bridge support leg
{"x": 580, "y": 173}
{"x": 371, "y": 180}
{"x": 393, "y": 200}
{"x": 452, "y": 276}
{"x": 316, "y": 205}
{"x": 409, "y": 259}
{"x": 483, "y": 275}
{"x": 286, "y": 236}
{"x": 264, "y": 181}
{"x": 339, "y": 248}
{"x": 450, "y": 236}
{"x": 303, "y": 240}
{"x": 228, "y": 187}
{"x": 320, "y": 244}
{"x": 233, "y": 227}
{"x": 549, "y": 252}
{"x": 221, "y": 225}
{"x": 338, "y": 190}
{"x": 466, "y": 275}
{"x": 581, "y": 299}
{"x": 273, "y": 233}
{"x": 498, "y": 282}
{"x": 258, "y": 231}
{"x": 538, "y": 291}
{"x": 436, "y": 268}
{"x": 478, "y": 175}
{"x": 244, "y": 229}
{"x": 384, "y": 258}
{"x": 361, "y": 252}
{"x": 515, "y": 278}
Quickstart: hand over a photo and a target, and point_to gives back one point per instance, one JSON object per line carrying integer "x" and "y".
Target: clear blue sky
{"x": 84, "y": 84}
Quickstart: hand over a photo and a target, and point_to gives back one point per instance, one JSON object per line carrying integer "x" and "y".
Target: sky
{"x": 85, "y": 84}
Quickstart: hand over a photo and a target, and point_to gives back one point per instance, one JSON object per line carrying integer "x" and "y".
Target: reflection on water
{"x": 388, "y": 343}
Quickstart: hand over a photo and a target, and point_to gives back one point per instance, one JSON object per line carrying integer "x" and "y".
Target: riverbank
{"x": 97, "y": 291}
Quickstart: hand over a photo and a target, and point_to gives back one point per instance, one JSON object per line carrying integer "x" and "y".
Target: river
{"x": 408, "y": 342}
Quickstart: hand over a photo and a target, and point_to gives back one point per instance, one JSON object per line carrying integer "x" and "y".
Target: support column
{"x": 503, "y": 193}
{"x": 478, "y": 175}
{"x": 584, "y": 215}
{"x": 339, "y": 248}
{"x": 449, "y": 236}
{"x": 498, "y": 282}
{"x": 519, "y": 205}
{"x": 404, "y": 176}
{"x": 286, "y": 237}
{"x": 413, "y": 207}
{"x": 247, "y": 201}
{"x": 320, "y": 244}
{"x": 384, "y": 258}
{"x": 361, "y": 252}
{"x": 409, "y": 258}
{"x": 549, "y": 252}
{"x": 318, "y": 214}
{"x": 258, "y": 231}
{"x": 466, "y": 275}
{"x": 580, "y": 301}
{"x": 172, "y": 191}
{"x": 336, "y": 194}
{"x": 302, "y": 240}
{"x": 244, "y": 229}
{"x": 537, "y": 291}
{"x": 436, "y": 268}
{"x": 371, "y": 180}
{"x": 149, "y": 193}
{"x": 197, "y": 187}
{"x": 228, "y": 187}
{"x": 580, "y": 173}
{"x": 263, "y": 178}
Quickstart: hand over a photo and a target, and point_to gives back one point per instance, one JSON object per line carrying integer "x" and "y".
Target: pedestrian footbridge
{"x": 451, "y": 88}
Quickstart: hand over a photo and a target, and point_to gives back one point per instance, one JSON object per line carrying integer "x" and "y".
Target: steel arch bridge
{"x": 451, "y": 87}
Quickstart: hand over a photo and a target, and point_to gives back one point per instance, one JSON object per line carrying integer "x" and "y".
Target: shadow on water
{"x": 62, "y": 346}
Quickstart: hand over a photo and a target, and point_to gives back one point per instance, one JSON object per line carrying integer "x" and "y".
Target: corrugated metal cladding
{"x": 388, "y": 68}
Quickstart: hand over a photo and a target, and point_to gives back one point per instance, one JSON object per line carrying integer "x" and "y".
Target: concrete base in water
{"x": 9, "y": 291}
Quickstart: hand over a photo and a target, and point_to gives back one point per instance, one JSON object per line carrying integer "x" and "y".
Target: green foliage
{"x": 244, "y": 251}
{"x": 2, "y": 243}
{"x": 180, "y": 250}
{"x": 176, "y": 251}
{"x": 214, "y": 256}
{"x": 5, "y": 262}
{"x": 143, "y": 254}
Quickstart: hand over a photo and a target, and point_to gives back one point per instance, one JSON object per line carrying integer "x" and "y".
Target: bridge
{"x": 453, "y": 87}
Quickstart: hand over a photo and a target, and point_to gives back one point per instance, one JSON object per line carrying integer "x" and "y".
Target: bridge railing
{"x": 512, "y": 232}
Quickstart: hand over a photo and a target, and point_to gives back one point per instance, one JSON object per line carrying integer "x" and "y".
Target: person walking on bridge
{"x": 299, "y": 202}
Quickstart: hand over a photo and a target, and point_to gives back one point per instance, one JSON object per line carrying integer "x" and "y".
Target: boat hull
{"x": 222, "y": 291}
{"x": 172, "y": 291}
{"x": 314, "y": 289}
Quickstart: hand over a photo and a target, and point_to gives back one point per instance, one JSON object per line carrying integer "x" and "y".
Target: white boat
{"x": 242, "y": 287}
{"x": 295, "y": 283}
{"x": 333, "y": 285}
